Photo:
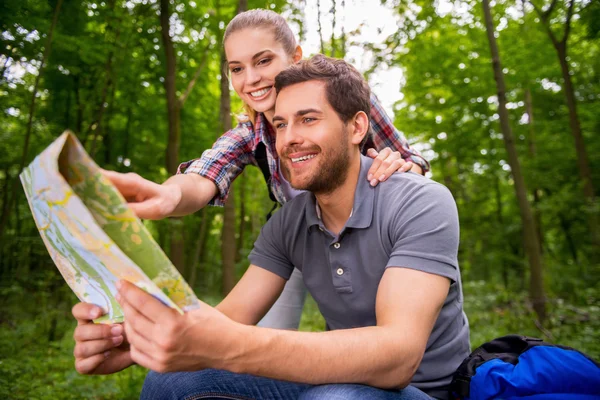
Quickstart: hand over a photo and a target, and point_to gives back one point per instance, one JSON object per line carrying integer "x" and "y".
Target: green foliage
{"x": 105, "y": 81}
{"x": 494, "y": 311}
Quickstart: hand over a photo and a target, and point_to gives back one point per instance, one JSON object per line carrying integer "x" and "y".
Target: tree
{"x": 228, "y": 240}
{"x": 174, "y": 106}
{"x": 583, "y": 163}
{"x": 532, "y": 246}
{"x": 8, "y": 204}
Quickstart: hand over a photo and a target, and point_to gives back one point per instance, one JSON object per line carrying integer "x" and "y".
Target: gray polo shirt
{"x": 408, "y": 222}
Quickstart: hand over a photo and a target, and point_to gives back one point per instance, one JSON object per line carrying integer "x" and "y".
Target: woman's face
{"x": 254, "y": 58}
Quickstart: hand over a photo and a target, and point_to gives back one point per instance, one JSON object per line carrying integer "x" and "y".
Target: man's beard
{"x": 330, "y": 173}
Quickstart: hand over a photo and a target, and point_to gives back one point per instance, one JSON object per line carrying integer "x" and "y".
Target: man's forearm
{"x": 376, "y": 356}
{"x": 196, "y": 192}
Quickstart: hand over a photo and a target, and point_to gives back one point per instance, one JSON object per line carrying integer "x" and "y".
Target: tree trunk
{"x": 126, "y": 134}
{"x": 79, "y": 121}
{"x": 97, "y": 127}
{"x": 320, "y": 28}
{"x": 500, "y": 216}
{"x": 198, "y": 249}
{"x": 583, "y": 162}
{"x": 343, "y": 37}
{"x": 68, "y": 111}
{"x": 228, "y": 232}
{"x": 531, "y": 240}
{"x": 243, "y": 227}
{"x": 107, "y": 139}
{"x": 228, "y": 243}
{"x": 173, "y": 113}
{"x": 333, "y": 40}
{"x": 173, "y": 108}
{"x": 6, "y": 210}
{"x": 533, "y": 154}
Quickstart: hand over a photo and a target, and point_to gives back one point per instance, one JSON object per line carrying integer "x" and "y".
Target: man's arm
{"x": 386, "y": 355}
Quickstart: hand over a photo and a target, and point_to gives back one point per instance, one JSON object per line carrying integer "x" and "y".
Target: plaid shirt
{"x": 235, "y": 149}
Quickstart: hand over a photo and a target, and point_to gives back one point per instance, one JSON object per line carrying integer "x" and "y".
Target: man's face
{"x": 312, "y": 141}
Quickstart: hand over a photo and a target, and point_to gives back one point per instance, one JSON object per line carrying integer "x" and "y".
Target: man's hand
{"x": 163, "y": 340}
{"x": 99, "y": 348}
{"x": 385, "y": 163}
{"x": 147, "y": 199}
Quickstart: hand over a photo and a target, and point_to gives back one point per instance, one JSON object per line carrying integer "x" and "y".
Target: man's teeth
{"x": 303, "y": 158}
{"x": 259, "y": 93}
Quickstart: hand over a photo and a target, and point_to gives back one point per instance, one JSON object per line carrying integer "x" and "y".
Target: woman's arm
{"x": 385, "y": 134}
{"x": 199, "y": 182}
{"x": 222, "y": 163}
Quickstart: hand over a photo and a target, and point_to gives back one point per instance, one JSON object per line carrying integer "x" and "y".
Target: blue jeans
{"x": 217, "y": 384}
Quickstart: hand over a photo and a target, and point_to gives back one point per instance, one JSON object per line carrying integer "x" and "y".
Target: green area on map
{"x": 92, "y": 235}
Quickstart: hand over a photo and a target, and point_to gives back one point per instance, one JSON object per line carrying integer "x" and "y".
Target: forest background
{"x": 514, "y": 136}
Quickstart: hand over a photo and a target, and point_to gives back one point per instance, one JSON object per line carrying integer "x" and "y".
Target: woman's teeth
{"x": 303, "y": 158}
{"x": 259, "y": 93}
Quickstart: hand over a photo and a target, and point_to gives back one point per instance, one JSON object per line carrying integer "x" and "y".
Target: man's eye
{"x": 308, "y": 120}
{"x": 280, "y": 125}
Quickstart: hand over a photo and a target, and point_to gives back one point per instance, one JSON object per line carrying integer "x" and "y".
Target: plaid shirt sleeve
{"x": 384, "y": 134}
{"x": 224, "y": 161}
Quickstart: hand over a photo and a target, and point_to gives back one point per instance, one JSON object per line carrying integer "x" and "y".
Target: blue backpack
{"x": 521, "y": 367}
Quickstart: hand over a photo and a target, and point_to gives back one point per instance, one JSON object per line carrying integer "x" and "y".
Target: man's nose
{"x": 291, "y": 136}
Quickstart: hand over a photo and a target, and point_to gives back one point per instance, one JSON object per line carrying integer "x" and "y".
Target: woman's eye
{"x": 235, "y": 70}
{"x": 264, "y": 61}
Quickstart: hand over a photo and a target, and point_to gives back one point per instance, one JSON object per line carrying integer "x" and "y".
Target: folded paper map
{"x": 92, "y": 235}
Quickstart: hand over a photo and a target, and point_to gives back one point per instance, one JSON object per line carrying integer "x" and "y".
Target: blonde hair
{"x": 266, "y": 19}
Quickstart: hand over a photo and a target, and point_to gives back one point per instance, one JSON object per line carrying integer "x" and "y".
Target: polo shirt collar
{"x": 364, "y": 200}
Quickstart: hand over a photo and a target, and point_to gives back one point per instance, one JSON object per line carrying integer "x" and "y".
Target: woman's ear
{"x": 359, "y": 126}
{"x": 297, "y": 54}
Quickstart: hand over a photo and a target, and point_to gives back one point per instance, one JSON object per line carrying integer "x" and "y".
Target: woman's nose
{"x": 252, "y": 76}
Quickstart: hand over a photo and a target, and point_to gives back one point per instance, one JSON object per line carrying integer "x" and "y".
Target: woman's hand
{"x": 385, "y": 163}
{"x": 147, "y": 199}
{"x": 99, "y": 348}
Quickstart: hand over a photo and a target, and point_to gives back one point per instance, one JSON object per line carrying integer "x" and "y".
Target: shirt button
{"x": 337, "y": 246}
{"x": 340, "y": 271}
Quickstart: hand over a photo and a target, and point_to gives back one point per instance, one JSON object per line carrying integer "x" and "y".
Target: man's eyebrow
{"x": 300, "y": 113}
{"x": 254, "y": 57}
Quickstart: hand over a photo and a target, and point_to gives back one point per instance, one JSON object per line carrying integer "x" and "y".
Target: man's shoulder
{"x": 294, "y": 209}
{"x": 410, "y": 183}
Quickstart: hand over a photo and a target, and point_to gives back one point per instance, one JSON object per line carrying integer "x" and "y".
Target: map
{"x": 92, "y": 235}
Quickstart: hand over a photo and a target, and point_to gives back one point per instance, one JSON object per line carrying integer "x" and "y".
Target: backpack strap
{"x": 260, "y": 154}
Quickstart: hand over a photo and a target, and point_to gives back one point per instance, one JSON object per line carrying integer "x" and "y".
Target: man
{"x": 381, "y": 266}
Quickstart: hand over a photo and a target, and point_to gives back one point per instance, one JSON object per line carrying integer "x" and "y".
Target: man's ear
{"x": 297, "y": 54}
{"x": 359, "y": 126}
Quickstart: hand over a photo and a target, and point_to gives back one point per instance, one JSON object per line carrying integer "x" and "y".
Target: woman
{"x": 258, "y": 44}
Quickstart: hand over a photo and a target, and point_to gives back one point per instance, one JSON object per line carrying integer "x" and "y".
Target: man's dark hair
{"x": 347, "y": 91}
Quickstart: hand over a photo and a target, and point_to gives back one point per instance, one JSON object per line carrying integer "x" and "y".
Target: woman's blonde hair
{"x": 266, "y": 19}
